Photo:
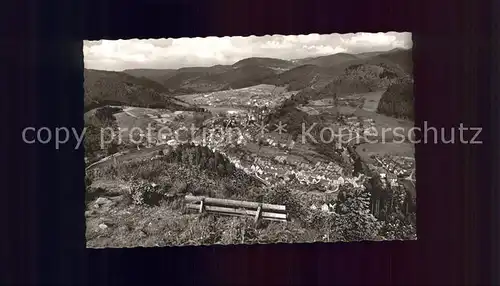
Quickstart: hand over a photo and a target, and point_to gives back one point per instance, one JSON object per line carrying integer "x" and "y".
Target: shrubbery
{"x": 144, "y": 193}
{"x": 400, "y": 227}
{"x": 282, "y": 196}
{"x": 353, "y": 219}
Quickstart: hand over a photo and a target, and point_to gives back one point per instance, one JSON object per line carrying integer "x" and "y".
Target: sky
{"x": 118, "y": 55}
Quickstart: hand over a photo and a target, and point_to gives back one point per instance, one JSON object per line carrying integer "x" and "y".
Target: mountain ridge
{"x": 117, "y": 88}
{"x": 324, "y": 75}
{"x": 248, "y": 71}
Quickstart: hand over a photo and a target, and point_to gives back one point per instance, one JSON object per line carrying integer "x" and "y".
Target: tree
{"x": 197, "y": 156}
{"x": 178, "y": 155}
{"x": 91, "y": 140}
{"x": 398, "y": 227}
{"x": 358, "y": 166}
{"x": 352, "y": 220}
{"x": 217, "y": 158}
{"x": 229, "y": 167}
{"x": 112, "y": 149}
{"x": 221, "y": 170}
{"x": 211, "y": 164}
{"x": 203, "y": 161}
{"x": 191, "y": 156}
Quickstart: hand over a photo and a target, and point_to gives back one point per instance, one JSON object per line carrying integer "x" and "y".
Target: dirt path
{"x": 133, "y": 154}
{"x": 126, "y": 111}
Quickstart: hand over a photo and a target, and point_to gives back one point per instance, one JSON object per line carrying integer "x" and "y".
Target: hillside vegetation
{"x": 157, "y": 75}
{"x": 329, "y": 61}
{"x": 353, "y": 75}
{"x": 240, "y": 77}
{"x": 295, "y": 74}
{"x": 355, "y": 79}
{"x": 398, "y": 100}
{"x": 118, "y": 88}
{"x": 402, "y": 58}
{"x": 265, "y": 62}
{"x": 95, "y": 120}
{"x": 304, "y": 76}
{"x": 155, "y": 214}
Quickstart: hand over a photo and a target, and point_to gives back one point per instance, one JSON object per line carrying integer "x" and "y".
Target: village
{"x": 234, "y": 128}
{"x": 232, "y": 123}
{"x": 270, "y": 157}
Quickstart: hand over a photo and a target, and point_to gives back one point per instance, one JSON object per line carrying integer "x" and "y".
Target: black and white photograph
{"x": 249, "y": 140}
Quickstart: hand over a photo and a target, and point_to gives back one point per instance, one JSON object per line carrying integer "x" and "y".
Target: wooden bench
{"x": 237, "y": 208}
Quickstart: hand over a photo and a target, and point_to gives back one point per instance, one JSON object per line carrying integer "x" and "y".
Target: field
{"x": 382, "y": 149}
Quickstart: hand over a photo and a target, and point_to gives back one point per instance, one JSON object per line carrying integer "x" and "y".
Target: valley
{"x": 240, "y": 132}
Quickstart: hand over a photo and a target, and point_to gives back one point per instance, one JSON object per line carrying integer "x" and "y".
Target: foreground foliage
{"x": 158, "y": 218}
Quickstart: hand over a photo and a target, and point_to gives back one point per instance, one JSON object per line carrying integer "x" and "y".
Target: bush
{"x": 253, "y": 194}
{"x": 229, "y": 189}
{"x": 144, "y": 193}
{"x": 280, "y": 233}
{"x": 316, "y": 219}
{"x": 112, "y": 149}
{"x": 237, "y": 230}
{"x": 397, "y": 227}
{"x": 282, "y": 196}
{"x": 200, "y": 117}
{"x": 204, "y": 231}
{"x": 150, "y": 170}
{"x": 109, "y": 172}
{"x": 179, "y": 187}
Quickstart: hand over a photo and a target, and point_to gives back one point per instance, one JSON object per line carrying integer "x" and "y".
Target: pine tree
{"x": 198, "y": 155}
{"x": 221, "y": 170}
{"x": 211, "y": 164}
{"x": 229, "y": 167}
{"x": 203, "y": 161}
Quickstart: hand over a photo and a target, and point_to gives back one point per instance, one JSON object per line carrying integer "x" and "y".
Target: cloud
{"x": 376, "y": 41}
{"x": 209, "y": 51}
